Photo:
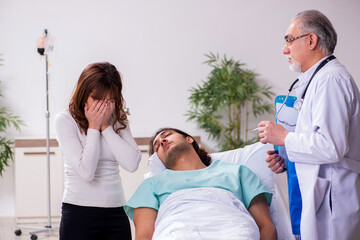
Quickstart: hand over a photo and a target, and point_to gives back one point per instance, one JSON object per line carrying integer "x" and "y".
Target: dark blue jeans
{"x": 93, "y": 223}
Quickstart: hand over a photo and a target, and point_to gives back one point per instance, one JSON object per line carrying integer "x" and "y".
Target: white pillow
{"x": 155, "y": 165}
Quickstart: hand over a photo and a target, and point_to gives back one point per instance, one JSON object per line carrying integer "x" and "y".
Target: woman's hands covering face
{"x": 99, "y": 113}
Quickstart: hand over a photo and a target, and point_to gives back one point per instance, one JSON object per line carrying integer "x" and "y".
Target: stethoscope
{"x": 299, "y": 102}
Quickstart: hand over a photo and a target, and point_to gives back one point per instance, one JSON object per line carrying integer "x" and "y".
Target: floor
{"x": 9, "y": 225}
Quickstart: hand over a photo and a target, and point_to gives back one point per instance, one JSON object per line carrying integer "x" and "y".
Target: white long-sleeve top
{"x": 92, "y": 162}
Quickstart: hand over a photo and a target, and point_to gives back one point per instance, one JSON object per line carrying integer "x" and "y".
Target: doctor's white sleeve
{"x": 322, "y": 136}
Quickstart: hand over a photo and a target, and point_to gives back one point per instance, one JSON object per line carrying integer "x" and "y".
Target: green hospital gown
{"x": 238, "y": 179}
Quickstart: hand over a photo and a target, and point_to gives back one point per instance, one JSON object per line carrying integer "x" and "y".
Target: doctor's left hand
{"x": 270, "y": 132}
{"x": 275, "y": 162}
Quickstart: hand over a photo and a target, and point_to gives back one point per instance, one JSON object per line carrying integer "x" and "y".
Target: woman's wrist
{"x": 93, "y": 126}
{"x": 104, "y": 126}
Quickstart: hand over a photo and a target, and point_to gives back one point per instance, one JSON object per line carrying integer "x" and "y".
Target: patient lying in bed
{"x": 192, "y": 200}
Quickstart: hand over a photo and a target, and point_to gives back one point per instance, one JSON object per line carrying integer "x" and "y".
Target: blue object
{"x": 295, "y": 202}
{"x": 289, "y": 102}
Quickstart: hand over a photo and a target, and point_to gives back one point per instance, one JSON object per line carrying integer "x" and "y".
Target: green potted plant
{"x": 7, "y": 119}
{"x": 226, "y": 99}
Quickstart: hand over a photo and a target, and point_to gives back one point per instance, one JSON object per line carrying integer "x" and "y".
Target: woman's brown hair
{"x": 97, "y": 80}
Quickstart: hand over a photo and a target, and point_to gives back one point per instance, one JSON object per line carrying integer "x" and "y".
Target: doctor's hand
{"x": 270, "y": 132}
{"x": 275, "y": 162}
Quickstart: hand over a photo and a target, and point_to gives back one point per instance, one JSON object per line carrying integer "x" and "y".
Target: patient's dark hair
{"x": 203, "y": 154}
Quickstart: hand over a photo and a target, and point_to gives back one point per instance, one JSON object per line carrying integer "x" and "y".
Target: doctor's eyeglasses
{"x": 290, "y": 40}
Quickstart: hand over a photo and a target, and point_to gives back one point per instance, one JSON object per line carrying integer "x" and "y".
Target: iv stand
{"x": 48, "y": 227}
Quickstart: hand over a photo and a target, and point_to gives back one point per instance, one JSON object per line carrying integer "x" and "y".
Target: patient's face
{"x": 165, "y": 141}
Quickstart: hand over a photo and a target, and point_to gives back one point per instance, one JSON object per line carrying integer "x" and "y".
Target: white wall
{"x": 157, "y": 45}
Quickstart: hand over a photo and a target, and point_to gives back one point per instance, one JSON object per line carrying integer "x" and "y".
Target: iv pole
{"x": 47, "y": 228}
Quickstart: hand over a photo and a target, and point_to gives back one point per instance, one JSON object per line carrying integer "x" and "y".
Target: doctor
{"x": 325, "y": 146}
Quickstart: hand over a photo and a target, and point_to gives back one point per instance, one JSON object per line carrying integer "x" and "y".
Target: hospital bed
{"x": 252, "y": 156}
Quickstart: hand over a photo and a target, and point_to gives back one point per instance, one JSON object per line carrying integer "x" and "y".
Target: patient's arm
{"x": 144, "y": 220}
{"x": 260, "y": 211}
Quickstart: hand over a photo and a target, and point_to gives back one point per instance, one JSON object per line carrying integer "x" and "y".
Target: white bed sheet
{"x": 204, "y": 213}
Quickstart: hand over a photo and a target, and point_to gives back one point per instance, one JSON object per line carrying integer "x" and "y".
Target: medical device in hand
{"x": 286, "y": 116}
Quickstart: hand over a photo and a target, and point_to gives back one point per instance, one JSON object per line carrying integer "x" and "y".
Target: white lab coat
{"x": 326, "y": 150}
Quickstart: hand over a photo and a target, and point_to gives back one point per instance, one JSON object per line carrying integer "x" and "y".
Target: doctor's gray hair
{"x": 316, "y": 22}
